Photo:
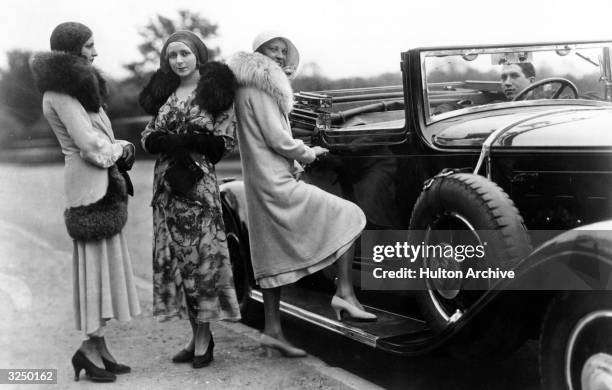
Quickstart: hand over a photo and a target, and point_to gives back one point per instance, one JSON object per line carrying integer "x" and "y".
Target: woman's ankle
{"x": 350, "y": 297}
{"x": 201, "y": 346}
{"x": 274, "y": 333}
{"x": 102, "y": 348}
{"x": 89, "y": 349}
{"x": 189, "y": 347}
{"x": 88, "y": 345}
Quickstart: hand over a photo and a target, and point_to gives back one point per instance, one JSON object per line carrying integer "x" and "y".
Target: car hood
{"x": 551, "y": 126}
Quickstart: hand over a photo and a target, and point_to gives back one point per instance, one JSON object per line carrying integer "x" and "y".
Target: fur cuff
{"x": 70, "y": 74}
{"x": 103, "y": 218}
{"x": 259, "y": 71}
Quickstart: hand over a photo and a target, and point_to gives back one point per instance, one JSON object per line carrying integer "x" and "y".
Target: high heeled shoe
{"x": 349, "y": 312}
{"x": 183, "y": 356}
{"x": 204, "y": 360}
{"x": 115, "y": 368}
{"x": 93, "y": 372}
{"x": 271, "y": 344}
{"x": 109, "y": 365}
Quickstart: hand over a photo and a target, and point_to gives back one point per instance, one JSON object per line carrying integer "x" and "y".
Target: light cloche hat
{"x": 293, "y": 56}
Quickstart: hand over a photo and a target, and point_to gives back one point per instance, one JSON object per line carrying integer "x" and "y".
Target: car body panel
{"x": 554, "y": 126}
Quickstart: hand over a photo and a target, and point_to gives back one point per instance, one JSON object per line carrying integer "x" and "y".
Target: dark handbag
{"x": 103, "y": 218}
{"x": 182, "y": 175}
{"x": 128, "y": 183}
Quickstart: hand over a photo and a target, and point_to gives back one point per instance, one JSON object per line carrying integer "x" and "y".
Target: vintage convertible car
{"x": 446, "y": 157}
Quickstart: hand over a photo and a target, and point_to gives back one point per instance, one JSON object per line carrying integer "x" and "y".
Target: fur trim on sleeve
{"x": 216, "y": 88}
{"x": 258, "y": 71}
{"x": 70, "y": 74}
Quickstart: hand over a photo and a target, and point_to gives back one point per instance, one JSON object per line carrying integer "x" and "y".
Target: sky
{"x": 345, "y": 38}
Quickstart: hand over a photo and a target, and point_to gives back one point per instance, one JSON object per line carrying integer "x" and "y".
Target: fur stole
{"x": 258, "y": 71}
{"x": 157, "y": 91}
{"x": 70, "y": 74}
{"x": 214, "y": 93}
{"x": 103, "y": 218}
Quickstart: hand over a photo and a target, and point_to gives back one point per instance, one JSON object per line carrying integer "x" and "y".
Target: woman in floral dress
{"x": 192, "y": 127}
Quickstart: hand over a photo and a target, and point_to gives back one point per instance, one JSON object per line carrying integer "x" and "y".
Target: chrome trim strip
{"x": 324, "y": 322}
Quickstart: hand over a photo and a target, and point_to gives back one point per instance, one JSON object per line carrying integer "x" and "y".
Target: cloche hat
{"x": 194, "y": 43}
{"x": 293, "y": 55}
{"x": 70, "y": 37}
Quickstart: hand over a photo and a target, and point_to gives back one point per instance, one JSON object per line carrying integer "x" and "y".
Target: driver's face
{"x": 513, "y": 80}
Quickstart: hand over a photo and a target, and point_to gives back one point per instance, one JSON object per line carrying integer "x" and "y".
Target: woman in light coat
{"x": 295, "y": 229}
{"x": 102, "y": 272}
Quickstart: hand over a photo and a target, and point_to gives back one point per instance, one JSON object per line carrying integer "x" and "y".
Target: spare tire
{"x": 461, "y": 207}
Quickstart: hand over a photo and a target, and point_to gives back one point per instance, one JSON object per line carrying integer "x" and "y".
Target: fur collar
{"x": 157, "y": 91}
{"x": 70, "y": 74}
{"x": 214, "y": 93}
{"x": 259, "y": 71}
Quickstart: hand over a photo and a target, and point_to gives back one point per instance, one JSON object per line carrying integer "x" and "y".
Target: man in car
{"x": 515, "y": 77}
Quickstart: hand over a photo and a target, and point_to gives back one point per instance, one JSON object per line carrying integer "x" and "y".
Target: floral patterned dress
{"x": 192, "y": 274}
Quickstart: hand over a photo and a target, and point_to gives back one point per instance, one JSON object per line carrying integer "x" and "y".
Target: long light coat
{"x": 293, "y": 226}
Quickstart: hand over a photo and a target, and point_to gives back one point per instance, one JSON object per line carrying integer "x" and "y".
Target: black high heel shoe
{"x": 184, "y": 356}
{"x": 114, "y": 367}
{"x": 204, "y": 360}
{"x": 109, "y": 365}
{"x": 93, "y": 372}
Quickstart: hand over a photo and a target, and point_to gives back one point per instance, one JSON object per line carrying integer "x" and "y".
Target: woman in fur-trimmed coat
{"x": 193, "y": 126}
{"x": 102, "y": 272}
{"x": 295, "y": 228}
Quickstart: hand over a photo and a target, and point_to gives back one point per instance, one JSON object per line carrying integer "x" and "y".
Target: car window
{"x": 458, "y": 80}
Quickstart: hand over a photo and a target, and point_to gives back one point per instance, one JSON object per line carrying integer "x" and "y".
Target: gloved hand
{"x": 212, "y": 146}
{"x": 203, "y": 142}
{"x": 126, "y": 161}
{"x": 171, "y": 144}
{"x": 177, "y": 145}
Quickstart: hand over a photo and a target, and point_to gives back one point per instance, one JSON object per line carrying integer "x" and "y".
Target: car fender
{"x": 578, "y": 259}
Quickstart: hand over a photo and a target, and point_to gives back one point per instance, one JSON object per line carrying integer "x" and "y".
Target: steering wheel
{"x": 565, "y": 83}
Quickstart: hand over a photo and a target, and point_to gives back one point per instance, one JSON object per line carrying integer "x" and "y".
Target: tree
{"x": 159, "y": 29}
{"x": 18, "y": 94}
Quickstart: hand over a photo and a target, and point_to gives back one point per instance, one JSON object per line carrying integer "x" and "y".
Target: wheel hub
{"x": 597, "y": 372}
{"x": 597, "y": 369}
{"x": 448, "y": 288}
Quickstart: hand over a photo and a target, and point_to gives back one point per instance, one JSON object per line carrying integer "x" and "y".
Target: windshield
{"x": 475, "y": 78}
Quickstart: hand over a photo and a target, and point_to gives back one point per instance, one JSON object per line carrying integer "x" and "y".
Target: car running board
{"x": 391, "y": 332}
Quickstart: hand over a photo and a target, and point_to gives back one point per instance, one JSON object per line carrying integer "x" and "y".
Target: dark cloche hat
{"x": 70, "y": 37}
{"x": 194, "y": 43}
